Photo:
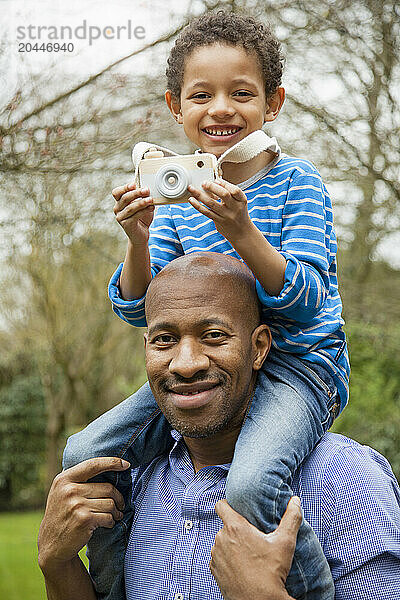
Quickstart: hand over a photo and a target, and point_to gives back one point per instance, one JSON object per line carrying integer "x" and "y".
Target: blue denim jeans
{"x": 293, "y": 405}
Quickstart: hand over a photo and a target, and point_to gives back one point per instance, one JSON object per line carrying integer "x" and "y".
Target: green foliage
{"x": 372, "y": 416}
{"x": 22, "y": 435}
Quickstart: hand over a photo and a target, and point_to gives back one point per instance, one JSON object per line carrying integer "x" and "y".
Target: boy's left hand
{"x": 224, "y": 203}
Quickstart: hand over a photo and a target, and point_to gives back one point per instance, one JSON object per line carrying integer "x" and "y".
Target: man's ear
{"x": 174, "y": 106}
{"x": 274, "y": 104}
{"x": 261, "y": 344}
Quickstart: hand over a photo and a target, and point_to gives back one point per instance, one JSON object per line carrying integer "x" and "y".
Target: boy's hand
{"x": 226, "y": 204}
{"x": 134, "y": 211}
{"x": 247, "y": 563}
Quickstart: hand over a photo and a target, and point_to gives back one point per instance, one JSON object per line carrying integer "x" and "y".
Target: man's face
{"x": 200, "y": 355}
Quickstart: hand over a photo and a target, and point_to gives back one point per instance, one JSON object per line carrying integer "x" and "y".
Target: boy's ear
{"x": 174, "y": 106}
{"x": 274, "y": 104}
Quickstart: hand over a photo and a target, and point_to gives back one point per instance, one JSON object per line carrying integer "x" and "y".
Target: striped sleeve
{"x": 164, "y": 246}
{"x": 308, "y": 244}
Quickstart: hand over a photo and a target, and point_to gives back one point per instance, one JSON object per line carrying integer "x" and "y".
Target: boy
{"x": 224, "y": 76}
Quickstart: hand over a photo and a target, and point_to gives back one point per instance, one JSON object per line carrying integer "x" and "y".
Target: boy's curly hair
{"x": 232, "y": 29}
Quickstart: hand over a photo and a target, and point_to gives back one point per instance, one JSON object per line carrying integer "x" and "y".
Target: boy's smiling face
{"x": 222, "y": 97}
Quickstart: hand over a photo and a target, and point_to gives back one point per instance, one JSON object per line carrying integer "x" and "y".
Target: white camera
{"x": 168, "y": 177}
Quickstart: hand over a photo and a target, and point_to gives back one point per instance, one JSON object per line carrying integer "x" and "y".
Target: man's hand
{"x": 247, "y": 563}
{"x": 226, "y": 204}
{"x": 134, "y": 211}
{"x": 75, "y": 509}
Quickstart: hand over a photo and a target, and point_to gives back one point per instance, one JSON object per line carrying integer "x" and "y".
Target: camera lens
{"x": 172, "y": 180}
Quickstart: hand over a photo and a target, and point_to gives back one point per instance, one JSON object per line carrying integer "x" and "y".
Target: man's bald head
{"x": 217, "y": 272}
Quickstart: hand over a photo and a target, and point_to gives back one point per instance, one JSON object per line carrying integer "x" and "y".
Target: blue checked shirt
{"x": 349, "y": 496}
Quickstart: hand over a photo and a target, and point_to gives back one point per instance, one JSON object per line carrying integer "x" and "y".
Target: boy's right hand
{"x": 134, "y": 211}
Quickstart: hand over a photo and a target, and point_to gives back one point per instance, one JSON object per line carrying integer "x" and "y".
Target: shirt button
{"x": 178, "y": 596}
{"x": 188, "y": 526}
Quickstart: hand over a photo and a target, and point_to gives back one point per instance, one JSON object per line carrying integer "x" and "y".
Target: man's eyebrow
{"x": 170, "y": 326}
{"x": 213, "y": 321}
{"x": 161, "y": 325}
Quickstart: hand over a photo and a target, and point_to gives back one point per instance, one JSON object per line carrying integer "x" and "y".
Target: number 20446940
{"x": 49, "y": 47}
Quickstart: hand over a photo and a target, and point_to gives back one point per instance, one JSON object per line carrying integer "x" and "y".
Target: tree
{"x": 343, "y": 109}
{"x": 22, "y": 447}
{"x": 22, "y": 420}
{"x": 86, "y": 359}
{"x": 373, "y": 413}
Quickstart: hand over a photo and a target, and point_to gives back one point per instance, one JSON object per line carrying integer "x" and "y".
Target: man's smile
{"x": 192, "y": 395}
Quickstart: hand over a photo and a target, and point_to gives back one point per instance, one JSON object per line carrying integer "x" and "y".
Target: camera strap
{"x": 250, "y": 147}
{"x": 246, "y": 149}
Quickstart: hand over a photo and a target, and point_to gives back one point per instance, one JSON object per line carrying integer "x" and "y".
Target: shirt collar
{"x": 179, "y": 456}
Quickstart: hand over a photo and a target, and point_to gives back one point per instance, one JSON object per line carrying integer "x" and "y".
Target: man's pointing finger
{"x": 94, "y": 466}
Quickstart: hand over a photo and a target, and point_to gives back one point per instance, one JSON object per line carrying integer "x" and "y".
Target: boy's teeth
{"x": 221, "y": 132}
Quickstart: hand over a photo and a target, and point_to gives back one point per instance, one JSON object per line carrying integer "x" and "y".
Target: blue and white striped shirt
{"x": 289, "y": 203}
{"x": 349, "y": 496}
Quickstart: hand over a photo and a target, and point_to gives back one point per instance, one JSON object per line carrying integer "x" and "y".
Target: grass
{"x": 20, "y": 576}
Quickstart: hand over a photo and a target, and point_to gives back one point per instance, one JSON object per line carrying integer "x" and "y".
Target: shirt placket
{"x": 189, "y": 532}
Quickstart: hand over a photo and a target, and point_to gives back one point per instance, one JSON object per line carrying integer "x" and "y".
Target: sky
{"x": 117, "y": 28}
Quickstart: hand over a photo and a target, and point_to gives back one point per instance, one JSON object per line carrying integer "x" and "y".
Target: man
{"x": 197, "y": 323}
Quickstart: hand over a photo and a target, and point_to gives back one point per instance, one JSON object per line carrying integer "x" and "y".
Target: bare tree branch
{"x": 12, "y": 127}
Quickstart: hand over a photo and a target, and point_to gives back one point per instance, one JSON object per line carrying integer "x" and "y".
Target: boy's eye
{"x": 243, "y": 93}
{"x": 200, "y": 96}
